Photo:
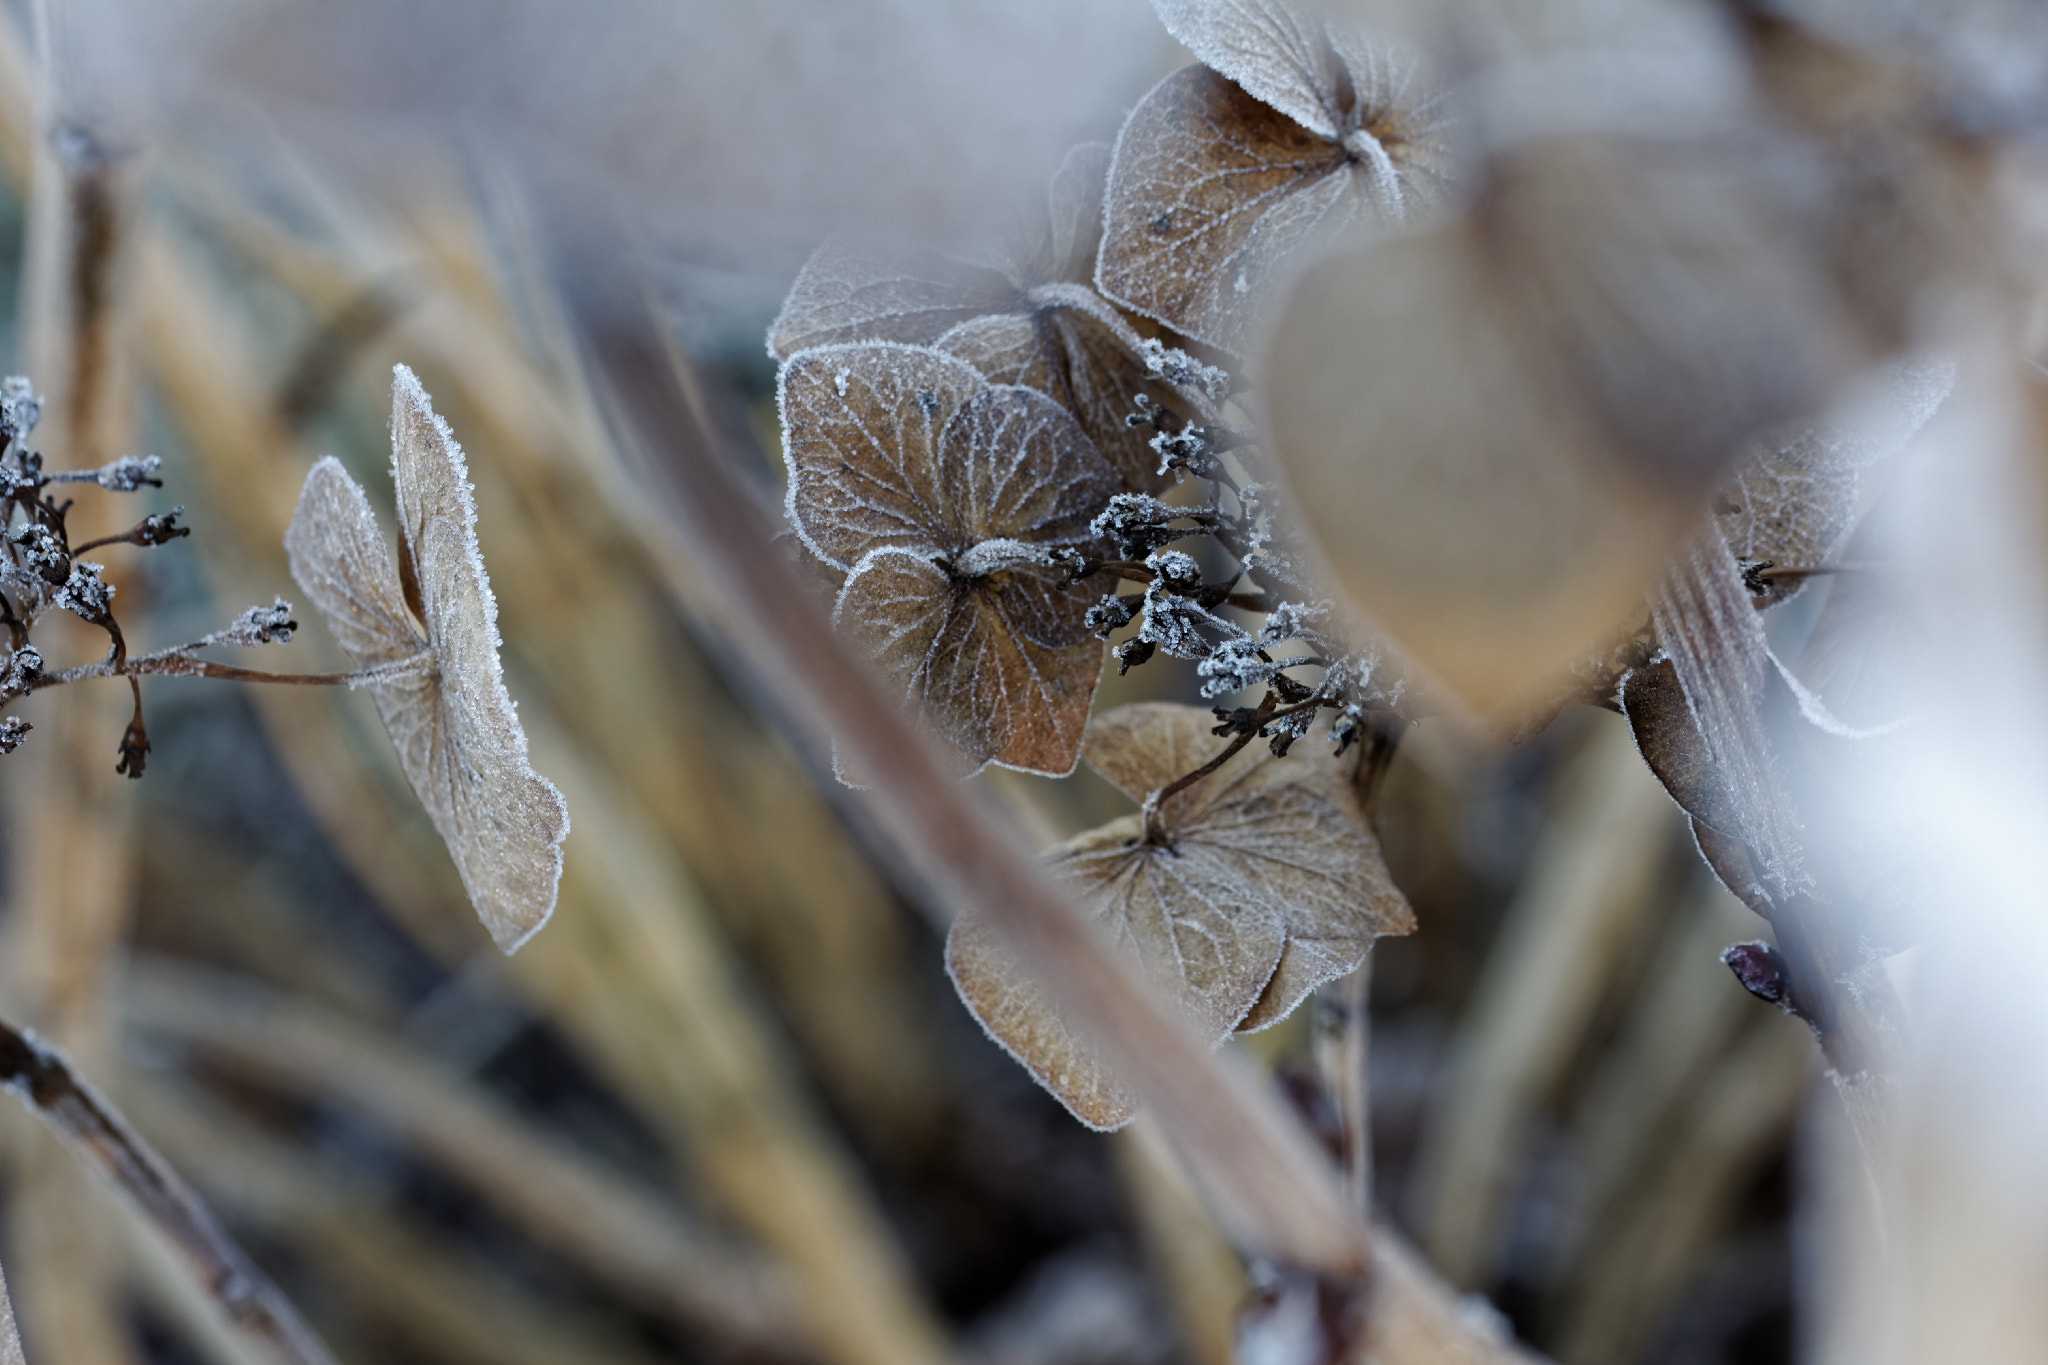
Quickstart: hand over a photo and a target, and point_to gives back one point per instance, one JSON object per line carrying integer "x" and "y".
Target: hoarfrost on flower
{"x": 441, "y": 695}
{"x": 1264, "y": 884}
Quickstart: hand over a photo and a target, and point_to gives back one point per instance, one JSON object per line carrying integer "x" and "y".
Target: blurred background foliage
{"x": 726, "y": 1107}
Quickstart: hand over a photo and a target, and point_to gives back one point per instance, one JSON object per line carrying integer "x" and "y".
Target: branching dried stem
{"x": 76, "y": 1112}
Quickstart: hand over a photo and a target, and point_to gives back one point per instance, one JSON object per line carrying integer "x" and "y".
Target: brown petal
{"x": 1015, "y": 464}
{"x": 1084, "y": 357}
{"x": 1795, "y": 493}
{"x": 1003, "y": 668}
{"x": 860, "y": 429}
{"x": 849, "y": 293}
{"x": 457, "y": 733}
{"x": 1278, "y": 54}
{"x": 1266, "y": 884}
{"x": 1209, "y": 190}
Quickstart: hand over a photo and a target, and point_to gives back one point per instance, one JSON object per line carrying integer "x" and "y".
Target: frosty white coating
{"x": 454, "y": 725}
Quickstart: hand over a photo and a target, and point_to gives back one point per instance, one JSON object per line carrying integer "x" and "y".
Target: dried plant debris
{"x": 1671, "y": 744}
{"x": 1631, "y": 309}
{"x": 442, "y": 693}
{"x": 1292, "y": 131}
{"x": 1030, "y": 316}
{"x": 1262, "y": 883}
{"x": 943, "y": 497}
{"x": 1795, "y": 494}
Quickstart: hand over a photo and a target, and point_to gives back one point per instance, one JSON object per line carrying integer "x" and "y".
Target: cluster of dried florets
{"x": 1003, "y": 463}
{"x": 41, "y": 571}
{"x": 972, "y": 442}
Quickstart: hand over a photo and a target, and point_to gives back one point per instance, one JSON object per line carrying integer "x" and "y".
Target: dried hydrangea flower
{"x": 942, "y": 495}
{"x": 1264, "y": 882}
{"x": 427, "y": 626}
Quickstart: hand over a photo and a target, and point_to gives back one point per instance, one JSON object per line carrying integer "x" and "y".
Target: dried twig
{"x": 76, "y": 1112}
{"x": 561, "y": 1197}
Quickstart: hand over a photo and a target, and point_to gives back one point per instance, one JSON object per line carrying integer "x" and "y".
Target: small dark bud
{"x": 84, "y": 593}
{"x": 1235, "y": 720}
{"x": 134, "y": 749}
{"x": 1753, "y": 576}
{"x": 1761, "y": 970}
{"x": 1177, "y": 569}
{"x": 129, "y": 473}
{"x": 1111, "y": 614}
{"x": 42, "y": 552}
{"x": 24, "y": 666}
{"x": 155, "y": 529}
{"x": 1347, "y": 728}
{"x": 20, "y": 409}
{"x": 1131, "y": 653}
{"x": 13, "y": 730}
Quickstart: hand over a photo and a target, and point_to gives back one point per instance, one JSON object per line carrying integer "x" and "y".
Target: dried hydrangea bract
{"x": 943, "y": 495}
{"x": 1030, "y": 316}
{"x": 1265, "y": 884}
{"x": 1291, "y": 133}
{"x": 442, "y": 697}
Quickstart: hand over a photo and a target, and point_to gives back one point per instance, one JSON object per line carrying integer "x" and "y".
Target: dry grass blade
{"x": 102, "y": 1138}
{"x": 573, "y": 1205}
{"x": 457, "y": 733}
{"x": 1589, "y": 886}
{"x": 1262, "y": 882}
{"x": 1261, "y": 1167}
{"x": 406, "y": 1286}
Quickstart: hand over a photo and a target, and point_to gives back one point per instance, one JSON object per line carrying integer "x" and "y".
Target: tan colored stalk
{"x": 557, "y": 1195}
{"x": 1587, "y": 888}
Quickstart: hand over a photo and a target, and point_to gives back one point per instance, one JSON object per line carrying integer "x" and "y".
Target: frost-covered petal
{"x": 1266, "y": 883}
{"x": 1003, "y": 668}
{"x": 456, "y": 729}
{"x": 848, "y": 292}
{"x": 860, "y": 432}
{"x": 1015, "y": 464}
{"x": 340, "y": 558}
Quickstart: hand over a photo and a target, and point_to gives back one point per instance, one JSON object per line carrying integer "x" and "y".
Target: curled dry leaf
{"x": 1266, "y": 884}
{"x": 941, "y": 495}
{"x": 1670, "y": 742}
{"x": 1293, "y": 131}
{"x": 1497, "y": 429}
{"x": 1030, "y": 316}
{"x": 442, "y": 695}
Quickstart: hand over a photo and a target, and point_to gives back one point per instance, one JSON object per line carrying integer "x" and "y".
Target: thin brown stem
{"x": 77, "y": 1113}
{"x": 1155, "y": 830}
{"x": 174, "y": 664}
